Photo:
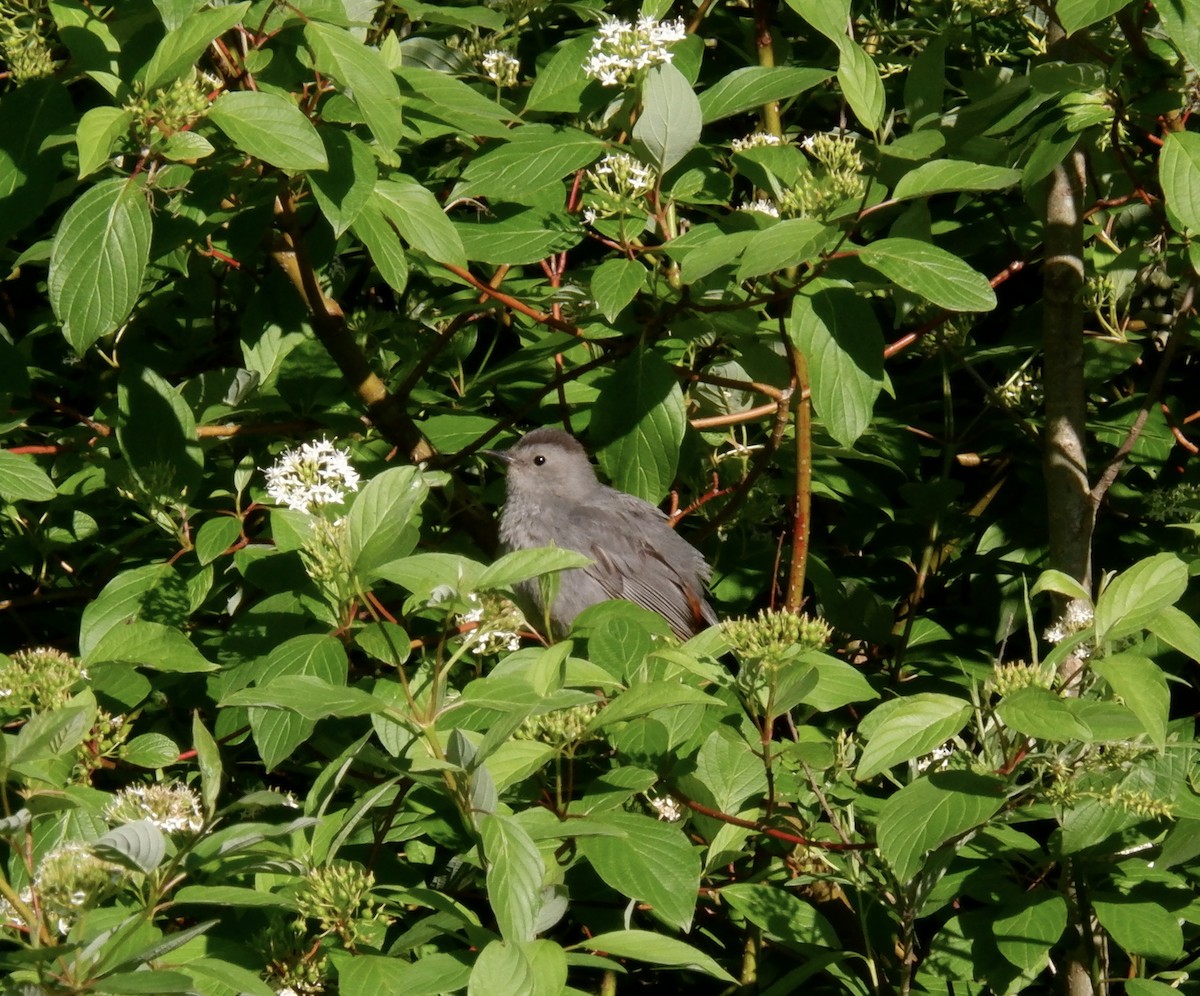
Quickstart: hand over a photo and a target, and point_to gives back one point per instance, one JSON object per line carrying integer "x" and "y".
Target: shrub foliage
{"x": 890, "y": 300}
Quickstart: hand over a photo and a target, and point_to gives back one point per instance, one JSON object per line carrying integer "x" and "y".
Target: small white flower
{"x": 666, "y": 808}
{"x": 808, "y": 143}
{"x": 501, "y": 68}
{"x": 589, "y": 216}
{"x": 170, "y": 806}
{"x": 938, "y": 759}
{"x": 762, "y": 206}
{"x": 310, "y": 477}
{"x": 1078, "y": 615}
{"x": 620, "y": 48}
{"x": 758, "y": 139}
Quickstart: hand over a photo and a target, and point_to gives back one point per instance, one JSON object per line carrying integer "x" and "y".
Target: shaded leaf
{"x": 638, "y": 424}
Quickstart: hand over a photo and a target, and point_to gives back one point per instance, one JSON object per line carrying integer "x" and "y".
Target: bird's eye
{"x": 539, "y": 460}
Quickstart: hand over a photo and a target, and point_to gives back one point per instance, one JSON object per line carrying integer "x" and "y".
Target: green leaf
{"x": 157, "y": 434}
{"x": 501, "y": 967}
{"x": 208, "y": 759}
{"x": 931, "y": 272}
{"x": 99, "y": 260}
{"x": 310, "y": 697}
{"x": 216, "y": 536}
{"x": 861, "y": 84}
{"x": 560, "y": 83}
{"x": 838, "y": 333}
{"x": 271, "y": 128}
{"x": 383, "y": 519}
{"x": 1076, "y": 14}
{"x": 174, "y": 13}
{"x": 148, "y": 644}
{"x": 429, "y": 976}
{"x": 638, "y": 424}
{"x": 829, "y": 17}
{"x": 419, "y": 219}
{"x": 361, "y": 70}
{"x": 641, "y": 700}
{"x": 656, "y": 949}
{"x": 183, "y": 45}
{"x": 515, "y": 871}
{"x": 731, "y": 771}
{"x": 521, "y": 565}
{"x": 788, "y": 243}
{"x": 1182, "y": 25}
{"x": 647, "y": 860}
{"x": 947, "y": 175}
{"x": 235, "y": 978}
{"x": 838, "y": 683}
{"x": 150, "y": 750}
{"x": 1179, "y": 174}
{"x": 536, "y": 155}
{"x": 909, "y": 727}
{"x": 278, "y": 732}
{"x": 343, "y": 190}
{"x": 515, "y": 235}
{"x": 751, "y": 87}
{"x": 98, "y": 131}
{"x": 1061, "y": 583}
{"x": 1134, "y": 597}
{"x": 48, "y": 735}
{"x": 21, "y": 479}
{"x": 1141, "y": 928}
{"x": 153, "y": 592}
{"x": 29, "y": 164}
{"x": 139, "y": 846}
{"x": 185, "y": 146}
{"x": 446, "y": 99}
{"x": 1027, "y": 927}
{"x": 669, "y": 126}
{"x": 1142, "y": 686}
{"x": 374, "y": 231}
{"x": 1041, "y": 713}
{"x": 931, "y": 811}
{"x": 615, "y": 283}
{"x": 1177, "y": 628}
{"x": 780, "y": 914}
{"x": 234, "y": 896}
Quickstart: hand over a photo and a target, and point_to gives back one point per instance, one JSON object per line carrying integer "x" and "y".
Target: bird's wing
{"x": 639, "y": 557}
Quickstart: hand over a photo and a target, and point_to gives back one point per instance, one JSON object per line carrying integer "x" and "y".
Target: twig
{"x": 791, "y": 838}
{"x": 1153, "y": 393}
{"x": 329, "y": 324}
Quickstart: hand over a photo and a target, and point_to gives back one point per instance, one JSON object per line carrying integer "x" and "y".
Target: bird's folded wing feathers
{"x": 629, "y": 563}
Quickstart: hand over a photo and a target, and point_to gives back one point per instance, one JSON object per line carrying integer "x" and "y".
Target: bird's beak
{"x": 502, "y": 455}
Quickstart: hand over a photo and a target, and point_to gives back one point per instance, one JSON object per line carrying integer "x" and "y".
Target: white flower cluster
{"x": 758, "y": 139}
{"x": 170, "y": 806}
{"x": 619, "y": 173}
{"x": 501, "y": 68}
{"x": 762, "y": 206}
{"x": 620, "y": 48}
{"x": 1078, "y": 615}
{"x": 495, "y": 623}
{"x": 666, "y": 808}
{"x": 310, "y": 477}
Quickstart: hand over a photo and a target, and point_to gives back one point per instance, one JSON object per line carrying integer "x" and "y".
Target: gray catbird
{"x": 554, "y": 499}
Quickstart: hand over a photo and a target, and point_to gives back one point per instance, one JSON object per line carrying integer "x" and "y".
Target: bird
{"x": 555, "y": 499}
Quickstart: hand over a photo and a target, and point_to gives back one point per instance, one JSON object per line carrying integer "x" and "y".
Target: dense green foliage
{"x": 789, "y": 267}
